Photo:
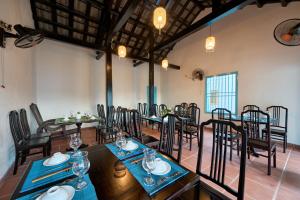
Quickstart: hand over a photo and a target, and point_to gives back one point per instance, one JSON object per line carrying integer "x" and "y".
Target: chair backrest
{"x": 184, "y": 105}
{"x": 167, "y": 136}
{"x": 250, "y": 107}
{"x": 140, "y": 108}
{"x": 118, "y": 117}
{"x": 193, "y": 104}
{"x": 279, "y": 115}
{"x": 36, "y": 113}
{"x": 162, "y": 109}
{"x": 194, "y": 114}
{"x": 145, "y": 109}
{"x": 101, "y": 111}
{"x": 213, "y": 166}
{"x": 256, "y": 124}
{"x": 15, "y": 128}
{"x": 110, "y": 116}
{"x": 135, "y": 121}
{"x": 154, "y": 109}
{"x": 179, "y": 110}
{"x": 24, "y": 124}
{"x": 221, "y": 114}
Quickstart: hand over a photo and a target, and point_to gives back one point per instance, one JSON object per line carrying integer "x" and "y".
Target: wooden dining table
{"x": 105, "y": 170}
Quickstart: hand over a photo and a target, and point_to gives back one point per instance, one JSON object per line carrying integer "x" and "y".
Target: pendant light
{"x": 210, "y": 42}
{"x": 165, "y": 63}
{"x": 122, "y": 51}
{"x": 159, "y": 18}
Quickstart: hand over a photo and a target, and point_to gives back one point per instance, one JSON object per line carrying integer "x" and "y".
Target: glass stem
{"x": 80, "y": 178}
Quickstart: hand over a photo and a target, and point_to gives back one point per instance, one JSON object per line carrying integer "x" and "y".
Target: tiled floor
{"x": 284, "y": 183}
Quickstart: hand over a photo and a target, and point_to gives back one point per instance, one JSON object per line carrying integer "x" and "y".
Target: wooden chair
{"x": 193, "y": 104}
{"x": 233, "y": 137}
{"x": 135, "y": 131}
{"x": 279, "y": 125}
{"x": 217, "y": 164}
{"x": 108, "y": 133}
{"x": 168, "y": 141}
{"x": 102, "y": 120}
{"x": 179, "y": 110}
{"x": 250, "y": 107}
{"x": 23, "y": 145}
{"x": 49, "y": 125}
{"x": 259, "y": 135}
{"x": 145, "y": 112}
{"x": 184, "y": 105}
{"x": 192, "y": 127}
{"x": 140, "y": 108}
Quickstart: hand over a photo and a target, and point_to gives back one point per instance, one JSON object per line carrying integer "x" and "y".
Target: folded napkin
{"x": 127, "y": 154}
{"x": 38, "y": 169}
{"x": 87, "y": 193}
{"x": 137, "y": 170}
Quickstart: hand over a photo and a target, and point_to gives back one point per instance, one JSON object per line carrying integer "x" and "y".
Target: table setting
{"x": 62, "y": 176}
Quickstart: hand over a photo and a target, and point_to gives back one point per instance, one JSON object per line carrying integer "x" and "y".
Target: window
{"x": 221, "y": 92}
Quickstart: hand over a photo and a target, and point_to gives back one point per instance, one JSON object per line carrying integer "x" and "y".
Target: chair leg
{"x": 23, "y": 158}
{"x": 269, "y": 163}
{"x": 231, "y": 145}
{"x": 274, "y": 158}
{"x": 16, "y": 163}
{"x": 191, "y": 140}
{"x": 284, "y": 143}
{"x": 238, "y": 146}
{"x": 248, "y": 152}
{"x": 198, "y": 138}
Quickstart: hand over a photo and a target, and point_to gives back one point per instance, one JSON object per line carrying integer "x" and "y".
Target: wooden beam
{"x": 86, "y": 23}
{"x": 71, "y": 17}
{"x": 108, "y": 76}
{"x": 127, "y": 11}
{"x": 34, "y": 14}
{"x": 54, "y": 18}
{"x": 99, "y": 55}
{"x": 209, "y": 19}
{"x": 142, "y": 60}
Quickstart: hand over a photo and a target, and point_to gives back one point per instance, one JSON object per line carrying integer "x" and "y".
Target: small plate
{"x": 70, "y": 190}
{"x": 130, "y": 146}
{"x": 46, "y": 162}
{"x": 162, "y": 167}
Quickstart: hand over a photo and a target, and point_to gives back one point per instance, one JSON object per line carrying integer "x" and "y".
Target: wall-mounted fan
{"x": 197, "y": 74}
{"x": 288, "y": 32}
{"x": 25, "y": 37}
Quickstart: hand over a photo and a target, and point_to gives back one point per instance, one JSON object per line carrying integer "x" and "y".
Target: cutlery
{"x": 51, "y": 174}
{"x": 163, "y": 179}
{"x": 136, "y": 161}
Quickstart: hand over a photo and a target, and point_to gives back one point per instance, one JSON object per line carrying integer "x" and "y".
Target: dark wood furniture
{"x": 250, "y": 107}
{"x": 217, "y": 164}
{"x": 103, "y": 170}
{"x": 135, "y": 131}
{"x": 162, "y": 109}
{"x": 279, "y": 126}
{"x": 49, "y": 125}
{"x": 233, "y": 137}
{"x": 23, "y": 143}
{"x": 102, "y": 120}
{"x": 168, "y": 136}
{"x": 108, "y": 132}
{"x": 191, "y": 128}
{"x": 259, "y": 135}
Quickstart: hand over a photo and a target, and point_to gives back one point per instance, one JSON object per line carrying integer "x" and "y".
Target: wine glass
{"x": 149, "y": 165}
{"x": 80, "y": 166}
{"x": 75, "y": 142}
{"x": 121, "y": 143}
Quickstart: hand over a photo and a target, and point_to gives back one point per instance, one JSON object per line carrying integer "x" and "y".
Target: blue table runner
{"x": 38, "y": 170}
{"x": 87, "y": 193}
{"x": 137, "y": 170}
{"x": 128, "y": 154}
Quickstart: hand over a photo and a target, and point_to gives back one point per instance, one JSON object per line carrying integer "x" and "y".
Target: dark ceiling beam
{"x": 209, "y": 19}
{"x": 86, "y": 23}
{"x": 127, "y": 11}
{"x": 142, "y": 60}
{"x": 34, "y": 14}
{"x": 104, "y": 25}
{"x": 99, "y": 5}
{"x": 54, "y": 17}
{"x": 71, "y": 16}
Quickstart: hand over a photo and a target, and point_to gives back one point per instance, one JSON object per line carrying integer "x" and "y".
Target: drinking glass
{"x": 149, "y": 165}
{"x": 75, "y": 142}
{"x": 80, "y": 167}
{"x": 121, "y": 143}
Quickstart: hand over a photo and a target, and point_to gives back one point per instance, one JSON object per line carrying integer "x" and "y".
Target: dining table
{"x": 113, "y": 181}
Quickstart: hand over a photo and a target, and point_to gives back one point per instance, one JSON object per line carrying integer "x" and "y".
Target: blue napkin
{"x": 114, "y": 149}
{"x": 87, "y": 193}
{"x": 38, "y": 170}
{"x": 137, "y": 170}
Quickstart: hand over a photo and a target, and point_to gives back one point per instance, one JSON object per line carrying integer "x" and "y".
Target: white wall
{"x": 269, "y": 73}
{"x": 18, "y": 75}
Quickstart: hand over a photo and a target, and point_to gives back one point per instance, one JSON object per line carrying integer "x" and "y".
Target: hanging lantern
{"x": 210, "y": 44}
{"x": 122, "y": 51}
{"x": 159, "y": 18}
{"x": 165, "y": 63}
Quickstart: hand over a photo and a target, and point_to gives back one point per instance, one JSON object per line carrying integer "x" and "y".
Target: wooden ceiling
{"x": 97, "y": 24}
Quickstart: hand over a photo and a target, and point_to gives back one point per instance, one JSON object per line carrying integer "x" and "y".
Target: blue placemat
{"x": 38, "y": 170}
{"x": 139, "y": 173}
{"x": 127, "y": 154}
{"x": 87, "y": 193}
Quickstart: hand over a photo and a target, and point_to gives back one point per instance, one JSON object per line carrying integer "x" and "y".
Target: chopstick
{"x": 51, "y": 174}
{"x": 136, "y": 161}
